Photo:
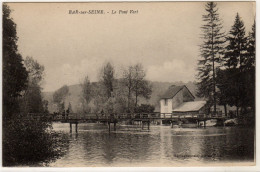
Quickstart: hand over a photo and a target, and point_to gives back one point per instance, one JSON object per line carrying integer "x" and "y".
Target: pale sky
{"x": 164, "y": 37}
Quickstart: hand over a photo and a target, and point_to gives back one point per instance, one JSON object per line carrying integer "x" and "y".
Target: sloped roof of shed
{"x": 190, "y": 106}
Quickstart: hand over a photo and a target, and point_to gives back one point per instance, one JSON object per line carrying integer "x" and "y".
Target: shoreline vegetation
{"x": 26, "y": 140}
{"x": 30, "y": 141}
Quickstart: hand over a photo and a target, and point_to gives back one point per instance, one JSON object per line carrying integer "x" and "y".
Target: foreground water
{"x": 160, "y": 146}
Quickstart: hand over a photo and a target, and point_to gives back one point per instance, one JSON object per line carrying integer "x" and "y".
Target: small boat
{"x": 209, "y": 123}
{"x": 231, "y": 122}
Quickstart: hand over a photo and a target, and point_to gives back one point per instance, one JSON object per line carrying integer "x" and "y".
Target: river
{"x": 129, "y": 145}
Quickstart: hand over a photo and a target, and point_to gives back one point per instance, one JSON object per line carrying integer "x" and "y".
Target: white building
{"x": 179, "y": 100}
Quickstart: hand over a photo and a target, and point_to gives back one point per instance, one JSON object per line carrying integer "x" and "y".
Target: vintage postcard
{"x": 128, "y": 84}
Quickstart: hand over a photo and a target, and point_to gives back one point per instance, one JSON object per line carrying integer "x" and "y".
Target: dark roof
{"x": 172, "y": 91}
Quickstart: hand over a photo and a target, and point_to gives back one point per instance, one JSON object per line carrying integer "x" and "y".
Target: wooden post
{"x": 76, "y": 127}
{"x": 204, "y": 123}
{"x": 109, "y": 127}
{"x": 148, "y": 125}
{"x": 70, "y": 127}
{"x": 142, "y": 125}
{"x": 114, "y": 126}
{"x": 198, "y": 123}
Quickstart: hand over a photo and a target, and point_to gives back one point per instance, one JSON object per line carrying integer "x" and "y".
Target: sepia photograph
{"x": 128, "y": 84}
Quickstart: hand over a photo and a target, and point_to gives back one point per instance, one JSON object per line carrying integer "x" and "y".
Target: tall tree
{"x": 211, "y": 53}
{"x": 141, "y": 86}
{"x": 250, "y": 69}
{"x": 59, "y": 97}
{"x": 25, "y": 141}
{"x": 227, "y": 80}
{"x": 235, "y": 58}
{"x": 32, "y": 101}
{"x": 236, "y": 49}
{"x": 107, "y": 78}
{"x": 250, "y": 60}
{"x": 86, "y": 90}
{"x": 69, "y": 110}
{"x": 128, "y": 82}
{"x": 14, "y": 72}
{"x": 86, "y": 94}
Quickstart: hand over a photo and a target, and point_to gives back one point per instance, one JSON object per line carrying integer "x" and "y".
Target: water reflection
{"x": 162, "y": 145}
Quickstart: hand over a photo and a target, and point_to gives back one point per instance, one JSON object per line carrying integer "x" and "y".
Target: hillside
{"x": 158, "y": 88}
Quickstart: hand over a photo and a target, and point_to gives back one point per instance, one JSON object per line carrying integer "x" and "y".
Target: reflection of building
{"x": 179, "y": 100}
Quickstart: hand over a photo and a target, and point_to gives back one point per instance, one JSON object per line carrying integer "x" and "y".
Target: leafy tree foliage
{"x": 59, "y": 97}
{"x": 26, "y": 140}
{"x": 141, "y": 86}
{"x": 128, "y": 82}
{"x": 86, "y": 90}
{"x": 144, "y": 108}
{"x": 69, "y": 110}
{"x": 45, "y": 106}
{"x": 107, "y": 79}
{"x": 86, "y": 94}
{"x": 14, "y": 72}
{"x": 31, "y": 101}
{"x": 99, "y": 98}
{"x": 211, "y": 52}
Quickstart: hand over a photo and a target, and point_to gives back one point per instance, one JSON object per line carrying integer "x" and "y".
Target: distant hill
{"x": 158, "y": 88}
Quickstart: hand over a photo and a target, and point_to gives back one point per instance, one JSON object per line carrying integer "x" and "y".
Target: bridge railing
{"x": 89, "y": 116}
{"x": 106, "y": 116}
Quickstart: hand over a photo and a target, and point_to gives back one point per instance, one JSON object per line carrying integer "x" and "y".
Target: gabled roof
{"x": 172, "y": 91}
{"x": 190, "y": 106}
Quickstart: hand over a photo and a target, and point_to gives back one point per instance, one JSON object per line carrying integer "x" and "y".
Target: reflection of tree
{"x": 227, "y": 144}
{"x": 125, "y": 147}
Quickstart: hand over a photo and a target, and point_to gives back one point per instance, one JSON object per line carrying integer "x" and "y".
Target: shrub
{"x": 31, "y": 141}
{"x": 144, "y": 108}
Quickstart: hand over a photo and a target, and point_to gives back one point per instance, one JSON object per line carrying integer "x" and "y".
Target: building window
{"x": 166, "y": 102}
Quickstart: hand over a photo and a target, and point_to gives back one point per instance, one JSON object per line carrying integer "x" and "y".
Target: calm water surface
{"x": 160, "y": 146}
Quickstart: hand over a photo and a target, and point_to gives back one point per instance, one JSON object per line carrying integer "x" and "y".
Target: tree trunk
{"x": 129, "y": 97}
{"x": 136, "y": 99}
{"x": 214, "y": 80}
{"x": 225, "y": 107}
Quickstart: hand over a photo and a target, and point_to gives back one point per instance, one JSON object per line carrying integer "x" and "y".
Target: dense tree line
{"x": 116, "y": 95}
{"x": 227, "y": 66}
{"x": 26, "y": 140}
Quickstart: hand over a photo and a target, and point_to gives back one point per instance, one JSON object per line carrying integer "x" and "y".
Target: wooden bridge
{"x": 142, "y": 118}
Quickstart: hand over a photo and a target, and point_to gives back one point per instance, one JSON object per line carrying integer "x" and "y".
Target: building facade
{"x": 179, "y": 100}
